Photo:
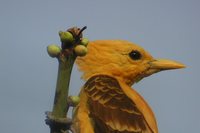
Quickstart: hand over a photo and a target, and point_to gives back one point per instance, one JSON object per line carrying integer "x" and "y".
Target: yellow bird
{"x": 108, "y": 104}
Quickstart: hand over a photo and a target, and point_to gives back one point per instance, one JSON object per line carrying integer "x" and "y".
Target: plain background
{"x": 167, "y": 29}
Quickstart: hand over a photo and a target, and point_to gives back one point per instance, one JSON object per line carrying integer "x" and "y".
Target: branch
{"x": 72, "y": 45}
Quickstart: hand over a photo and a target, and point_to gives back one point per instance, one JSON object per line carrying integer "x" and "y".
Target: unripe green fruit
{"x": 66, "y": 36}
{"x": 53, "y": 50}
{"x": 84, "y": 41}
{"x": 74, "y": 100}
{"x": 80, "y": 50}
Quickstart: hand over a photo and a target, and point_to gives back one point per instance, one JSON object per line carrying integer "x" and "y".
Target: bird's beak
{"x": 164, "y": 64}
{"x": 159, "y": 65}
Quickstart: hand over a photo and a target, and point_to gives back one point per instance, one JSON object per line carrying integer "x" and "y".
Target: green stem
{"x": 60, "y": 107}
{"x": 66, "y": 58}
{"x": 62, "y": 87}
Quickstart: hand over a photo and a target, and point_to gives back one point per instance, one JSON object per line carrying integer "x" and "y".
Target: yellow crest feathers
{"x": 100, "y": 56}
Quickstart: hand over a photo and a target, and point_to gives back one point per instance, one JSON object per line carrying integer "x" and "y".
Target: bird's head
{"x": 123, "y": 60}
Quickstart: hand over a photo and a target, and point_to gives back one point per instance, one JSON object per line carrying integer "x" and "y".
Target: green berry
{"x": 84, "y": 41}
{"x": 75, "y": 100}
{"x": 66, "y": 36}
{"x": 80, "y": 50}
{"x": 53, "y": 50}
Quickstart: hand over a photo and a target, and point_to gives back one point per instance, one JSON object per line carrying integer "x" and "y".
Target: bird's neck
{"x": 127, "y": 80}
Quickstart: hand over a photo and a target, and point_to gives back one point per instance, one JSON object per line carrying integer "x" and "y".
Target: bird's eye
{"x": 135, "y": 55}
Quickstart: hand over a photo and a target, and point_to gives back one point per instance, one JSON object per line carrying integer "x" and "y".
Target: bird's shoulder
{"x": 111, "y": 108}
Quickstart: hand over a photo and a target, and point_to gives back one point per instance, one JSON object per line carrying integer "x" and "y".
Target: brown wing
{"x": 111, "y": 110}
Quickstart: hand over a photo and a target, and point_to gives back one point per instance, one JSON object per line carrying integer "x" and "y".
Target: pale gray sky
{"x": 167, "y": 29}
